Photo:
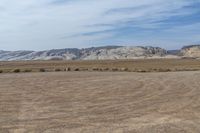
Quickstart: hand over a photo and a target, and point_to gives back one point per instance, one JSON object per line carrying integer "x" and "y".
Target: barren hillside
{"x": 191, "y": 51}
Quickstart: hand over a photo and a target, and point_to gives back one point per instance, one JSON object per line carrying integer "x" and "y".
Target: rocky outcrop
{"x": 192, "y": 51}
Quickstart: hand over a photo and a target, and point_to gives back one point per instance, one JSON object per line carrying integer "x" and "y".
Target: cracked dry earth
{"x": 100, "y": 102}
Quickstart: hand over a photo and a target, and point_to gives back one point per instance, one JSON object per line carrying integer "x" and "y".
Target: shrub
{"x": 76, "y": 69}
{"x": 1, "y": 71}
{"x": 95, "y": 69}
{"x": 100, "y": 69}
{"x": 57, "y": 69}
{"x": 168, "y": 70}
{"x": 28, "y": 70}
{"x": 16, "y": 70}
{"x": 42, "y": 70}
{"x": 163, "y": 70}
{"x": 106, "y": 69}
{"x": 154, "y": 69}
{"x": 68, "y": 69}
{"x": 114, "y": 69}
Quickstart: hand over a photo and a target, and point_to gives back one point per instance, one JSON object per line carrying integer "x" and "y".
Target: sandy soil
{"x": 100, "y": 102}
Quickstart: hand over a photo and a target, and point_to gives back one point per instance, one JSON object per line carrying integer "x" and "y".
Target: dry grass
{"x": 142, "y": 65}
{"x": 100, "y": 102}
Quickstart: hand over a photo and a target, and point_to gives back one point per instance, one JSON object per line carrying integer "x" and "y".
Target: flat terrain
{"x": 140, "y": 65}
{"x": 100, "y": 102}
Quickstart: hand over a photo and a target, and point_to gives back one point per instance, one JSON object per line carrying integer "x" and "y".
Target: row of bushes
{"x": 67, "y": 69}
{"x": 99, "y": 69}
{"x": 120, "y": 69}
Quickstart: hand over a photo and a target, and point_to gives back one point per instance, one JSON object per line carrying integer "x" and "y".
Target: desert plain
{"x": 100, "y": 102}
{"x": 137, "y": 65}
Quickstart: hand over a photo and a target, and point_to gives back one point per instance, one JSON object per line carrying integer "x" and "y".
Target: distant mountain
{"x": 101, "y": 53}
{"x": 173, "y": 52}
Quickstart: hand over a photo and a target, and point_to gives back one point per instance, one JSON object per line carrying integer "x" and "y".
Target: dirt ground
{"x": 100, "y": 102}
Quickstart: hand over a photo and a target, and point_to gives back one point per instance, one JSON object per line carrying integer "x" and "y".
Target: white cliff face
{"x": 191, "y": 51}
{"x": 61, "y": 54}
{"x": 98, "y": 53}
{"x": 125, "y": 53}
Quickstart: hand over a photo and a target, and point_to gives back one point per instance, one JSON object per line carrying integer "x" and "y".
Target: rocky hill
{"x": 94, "y": 53}
{"x": 102, "y": 53}
{"x": 124, "y": 53}
{"x": 192, "y": 51}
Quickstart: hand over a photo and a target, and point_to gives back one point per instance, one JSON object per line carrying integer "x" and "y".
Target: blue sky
{"x": 50, "y": 24}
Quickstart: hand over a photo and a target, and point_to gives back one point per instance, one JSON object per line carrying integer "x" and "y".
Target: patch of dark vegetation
{"x": 105, "y": 69}
{"x": 194, "y": 58}
{"x": 160, "y": 70}
{"x": 1, "y": 71}
{"x": 95, "y": 69}
{"x": 58, "y": 70}
{"x": 16, "y": 70}
{"x": 76, "y": 69}
{"x": 101, "y": 69}
{"x": 42, "y": 70}
{"x": 28, "y": 70}
{"x": 114, "y": 69}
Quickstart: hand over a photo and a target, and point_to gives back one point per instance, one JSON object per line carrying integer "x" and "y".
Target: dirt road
{"x": 100, "y": 102}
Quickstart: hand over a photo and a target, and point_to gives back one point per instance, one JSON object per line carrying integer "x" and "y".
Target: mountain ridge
{"x": 101, "y": 53}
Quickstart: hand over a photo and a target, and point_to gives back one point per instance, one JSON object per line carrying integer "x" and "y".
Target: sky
{"x": 55, "y": 24}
